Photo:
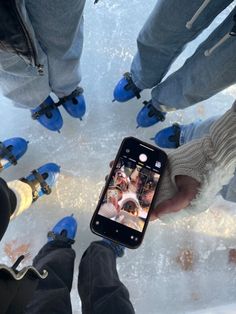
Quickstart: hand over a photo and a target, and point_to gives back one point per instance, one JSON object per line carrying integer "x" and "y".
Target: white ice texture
{"x": 156, "y": 275}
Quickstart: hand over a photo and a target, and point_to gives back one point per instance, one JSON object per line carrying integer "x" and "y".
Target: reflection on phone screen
{"x": 130, "y": 193}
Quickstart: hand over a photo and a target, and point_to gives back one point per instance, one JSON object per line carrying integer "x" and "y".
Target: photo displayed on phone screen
{"x": 130, "y": 192}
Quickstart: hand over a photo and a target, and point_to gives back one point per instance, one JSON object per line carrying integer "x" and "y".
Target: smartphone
{"x": 126, "y": 201}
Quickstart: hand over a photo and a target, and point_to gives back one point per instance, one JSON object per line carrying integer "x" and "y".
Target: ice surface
{"x": 180, "y": 268}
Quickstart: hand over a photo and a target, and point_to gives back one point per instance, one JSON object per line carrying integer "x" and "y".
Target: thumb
{"x": 179, "y": 201}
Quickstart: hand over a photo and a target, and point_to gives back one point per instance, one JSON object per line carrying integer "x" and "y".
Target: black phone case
{"x": 104, "y": 190}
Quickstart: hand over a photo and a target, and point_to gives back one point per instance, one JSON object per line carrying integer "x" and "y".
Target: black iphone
{"x": 125, "y": 203}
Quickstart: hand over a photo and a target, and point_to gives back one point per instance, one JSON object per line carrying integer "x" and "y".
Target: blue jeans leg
{"x": 164, "y": 36}
{"x": 21, "y": 82}
{"x": 58, "y": 26}
{"x": 195, "y": 130}
{"x": 58, "y": 30}
{"x": 201, "y": 76}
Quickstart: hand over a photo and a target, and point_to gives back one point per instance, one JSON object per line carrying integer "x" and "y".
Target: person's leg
{"x": 7, "y": 206}
{"x": 57, "y": 257}
{"x": 164, "y": 35}
{"x": 38, "y": 183}
{"x": 22, "y": 83}
{"x": 58, "y": 26}
{"x": 195, "y": 130}
{"x": 53, "y": 293}
{"x": 201, "y": 76}
{"x": 180, "y": 134}
{"x": 99, "y": 286}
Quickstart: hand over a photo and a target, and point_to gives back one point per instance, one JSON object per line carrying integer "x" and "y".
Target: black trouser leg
{"x": 53, "y": 293}
{"x": 7, "y": 206}
{"x": 99, "y": 286}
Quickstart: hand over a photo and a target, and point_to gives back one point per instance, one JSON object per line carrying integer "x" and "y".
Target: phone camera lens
{"x": 127, "y": 150}
{"x": 143, "y": 157}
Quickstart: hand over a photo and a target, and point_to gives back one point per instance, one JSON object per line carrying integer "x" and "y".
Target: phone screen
{"x": 124, "y": 206}
{"x": 130, "y": 193}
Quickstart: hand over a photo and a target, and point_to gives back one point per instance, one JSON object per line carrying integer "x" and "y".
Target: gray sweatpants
{"x": 58, "y": 28}
{"x": 163, "y": 38}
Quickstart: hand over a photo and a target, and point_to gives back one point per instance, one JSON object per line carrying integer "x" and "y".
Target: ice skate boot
{"x": 149, "y": 115}
{"x": 11, "y": 150}
{"x": 118, "y": 249}
{"x": 74, "y": 103}
{"x": 48, "y": 115}
{"x": 28, "y": 189}
{"x": 168, "y": 137}
{"x": 42, "y": 179}
{"x": 126, "y": 89}
{"x": 64, "y": 230}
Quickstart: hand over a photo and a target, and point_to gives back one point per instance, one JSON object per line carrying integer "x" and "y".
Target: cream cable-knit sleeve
{"x": 210, "y": 160}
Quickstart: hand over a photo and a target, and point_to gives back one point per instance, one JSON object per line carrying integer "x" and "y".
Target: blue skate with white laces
{"x": 65, "y": 230}
{"x": 42, "y": 179}
{"x": 74, "y": 103}
{"x": 48, "y": 115}
{"x": 11, "y": 150}
{"x": 168, "y": 137}
{"x": 126, "y": 89}
{"x": 149, "y": 115}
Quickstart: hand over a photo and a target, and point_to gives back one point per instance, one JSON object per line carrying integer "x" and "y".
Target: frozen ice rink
{"x": 185, "y": 267}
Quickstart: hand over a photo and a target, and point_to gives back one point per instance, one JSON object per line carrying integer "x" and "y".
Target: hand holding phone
{"x": 124, "y": 207}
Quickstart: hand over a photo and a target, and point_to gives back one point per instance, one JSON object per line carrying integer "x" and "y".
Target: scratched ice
{"x": 180, "y": 268}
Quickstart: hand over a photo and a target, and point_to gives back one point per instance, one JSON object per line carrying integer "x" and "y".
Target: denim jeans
{"x": 58, "y": 29}
{"x": 164, "y": 36}
{"x": 199, "y": 129}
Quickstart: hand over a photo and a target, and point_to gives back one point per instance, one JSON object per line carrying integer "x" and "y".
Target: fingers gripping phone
{"x": 126, "y": 201}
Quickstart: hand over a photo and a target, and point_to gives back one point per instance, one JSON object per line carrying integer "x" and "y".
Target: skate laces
{"x": 60, "y": 237}
{"x": 44, "y": 109}
{"x": 39, "y": 181}
{"x": 153, "y": 112}
{"x": 5, "y": 152}
{"x": 77, "y": 92}
{"x": 47, "y": 108}
{"x": 176, "y": 136}
{"x": 131, "y": 86}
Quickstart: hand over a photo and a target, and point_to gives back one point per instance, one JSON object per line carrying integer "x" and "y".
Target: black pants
{"x": 99, "y": 287}
{"x": 7, "y": 206}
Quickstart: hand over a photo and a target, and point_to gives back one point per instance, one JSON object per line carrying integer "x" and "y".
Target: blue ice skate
{"x": 149, "y": 115}
{"x": 64, "y": 230}
{"x": 42, "y": 179}
{"x": 168, "y": 137}
{"x": 126, "y": 89}
{"x": 11, "y": 150}
{"x": 74, "y": 103}
{"x": 118, "y": 249}
{"x": 48, "y": 115}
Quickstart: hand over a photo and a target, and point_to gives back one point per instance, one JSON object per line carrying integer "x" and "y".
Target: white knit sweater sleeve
{"x": 210, "y": 160}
